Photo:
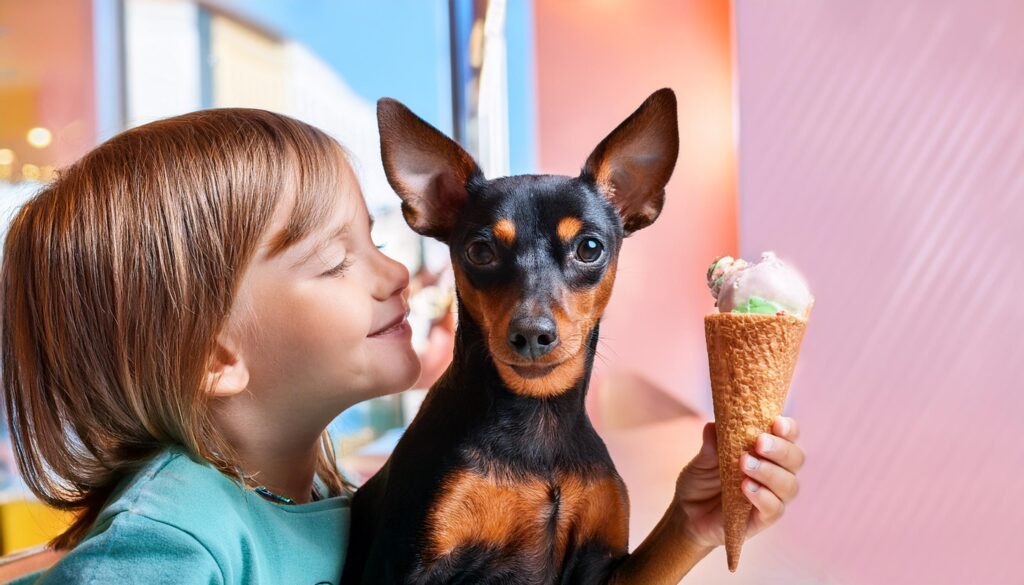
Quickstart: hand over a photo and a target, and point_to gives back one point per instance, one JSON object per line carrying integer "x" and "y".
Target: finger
{"x": 711, "y": 436}
{"x": 709, "y": 445}
{"x": 786, "y": 428}
{"x": 707, "y": 458}
{"x": 781, "y": 451}
{"x": 769, "y": 507}
{"x": 769, "y": 475}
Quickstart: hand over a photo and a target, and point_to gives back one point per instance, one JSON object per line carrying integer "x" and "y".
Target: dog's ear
{"x": 427, "y": 169}
{"x": 633, "y": 164}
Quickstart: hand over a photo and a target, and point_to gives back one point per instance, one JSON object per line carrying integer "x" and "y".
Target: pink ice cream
{"x": 768, "y": 286}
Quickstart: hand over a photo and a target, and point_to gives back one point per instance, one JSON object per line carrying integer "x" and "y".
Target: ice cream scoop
{"x": 768, "y": 286}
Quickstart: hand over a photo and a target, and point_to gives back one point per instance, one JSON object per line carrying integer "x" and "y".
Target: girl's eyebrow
{"x": 338, "y": 233}
{"x": 341, "y": 232}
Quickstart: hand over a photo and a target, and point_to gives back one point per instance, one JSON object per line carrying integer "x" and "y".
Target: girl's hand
{"x": 699, "y": 488}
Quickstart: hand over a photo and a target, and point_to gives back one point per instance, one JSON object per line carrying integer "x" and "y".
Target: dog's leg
{"x": 473, "y": 565}
{"x": 590, "y": 563}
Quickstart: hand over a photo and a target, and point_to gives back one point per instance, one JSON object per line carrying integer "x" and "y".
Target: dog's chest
{"x": 531, "y": 518}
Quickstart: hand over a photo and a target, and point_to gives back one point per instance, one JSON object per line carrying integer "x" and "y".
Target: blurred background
{"x": 877, "y": 146}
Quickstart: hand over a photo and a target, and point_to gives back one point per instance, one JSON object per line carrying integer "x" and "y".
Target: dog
{"x": 501, "y": 478}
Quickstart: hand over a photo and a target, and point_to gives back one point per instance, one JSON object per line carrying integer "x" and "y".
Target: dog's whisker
{"x": 603, "y": 343}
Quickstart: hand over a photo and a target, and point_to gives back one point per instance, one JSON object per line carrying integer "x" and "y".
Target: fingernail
{"x": 766, "y": 442}
{"x": 785, "y": 425}
{"x": 752, "y": 486}
{"x": 751, "y": 462}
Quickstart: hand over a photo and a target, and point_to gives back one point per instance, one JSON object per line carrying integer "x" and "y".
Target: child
{"x": 185, "y": 310}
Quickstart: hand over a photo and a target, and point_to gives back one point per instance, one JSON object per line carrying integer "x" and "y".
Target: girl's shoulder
{"x": 174, "y": 487}
{"x": 147, "y": 532}
{"x": 180, "y": 489}
{"x": 179, "y": 519}
{"x": 132, "y": 549}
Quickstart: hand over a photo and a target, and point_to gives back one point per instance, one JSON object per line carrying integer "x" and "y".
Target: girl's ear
{"x": 428, "y": 170}
{"x": 633, "y": 164}
{"x": 227, "y": 374}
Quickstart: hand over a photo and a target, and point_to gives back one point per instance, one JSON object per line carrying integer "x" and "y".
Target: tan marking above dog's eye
{"x": 505, "y": 231}
{"x": 568, "y": 227}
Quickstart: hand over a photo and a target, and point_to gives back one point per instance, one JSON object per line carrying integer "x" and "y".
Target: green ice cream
{"x": 757, "y": 305}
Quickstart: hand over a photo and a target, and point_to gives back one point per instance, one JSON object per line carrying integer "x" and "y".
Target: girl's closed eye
{"x": 340, "y": 268}
{"x": 346, "y": 264}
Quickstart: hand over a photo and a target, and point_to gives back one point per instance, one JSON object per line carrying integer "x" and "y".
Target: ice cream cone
{"x": 752, "y": 358}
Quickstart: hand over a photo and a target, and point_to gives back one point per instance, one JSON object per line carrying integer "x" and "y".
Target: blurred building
{"x": 75, "y": 72}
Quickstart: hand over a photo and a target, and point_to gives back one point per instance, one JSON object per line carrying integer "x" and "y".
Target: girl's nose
{"x": 394, "y": 277}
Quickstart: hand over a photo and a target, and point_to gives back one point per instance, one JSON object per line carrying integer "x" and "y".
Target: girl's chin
{"x": 399, "y": 372}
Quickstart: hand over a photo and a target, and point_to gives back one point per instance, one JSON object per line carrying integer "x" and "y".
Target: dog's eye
{"x": 589, "y": 250}
{"x": 480, "y": 252}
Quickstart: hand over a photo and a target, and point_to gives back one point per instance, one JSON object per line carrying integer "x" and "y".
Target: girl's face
{"x": 325, "y": 318}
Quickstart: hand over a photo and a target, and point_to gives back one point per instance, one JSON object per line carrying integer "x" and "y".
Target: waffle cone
{"x": 751, "y": 359}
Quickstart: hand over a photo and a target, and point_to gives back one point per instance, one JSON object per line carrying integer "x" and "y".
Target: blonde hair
{"x": 117, "y": 278}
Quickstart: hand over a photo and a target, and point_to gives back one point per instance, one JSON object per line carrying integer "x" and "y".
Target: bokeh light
{"x": 39, "y": 137}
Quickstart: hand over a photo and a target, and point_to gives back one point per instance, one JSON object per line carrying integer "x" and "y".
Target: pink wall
{"x": 882, "y": 151}
{"x": 597, "y": 60}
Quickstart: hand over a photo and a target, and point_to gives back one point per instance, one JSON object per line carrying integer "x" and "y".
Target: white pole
{"x": 493, "y": 104}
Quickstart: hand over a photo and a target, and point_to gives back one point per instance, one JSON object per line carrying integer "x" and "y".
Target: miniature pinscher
{"x": 501, "y": 478}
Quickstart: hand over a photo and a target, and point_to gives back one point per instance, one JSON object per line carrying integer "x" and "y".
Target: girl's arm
{"x": 666, "y": 555}
{"x": 692, "y": 526}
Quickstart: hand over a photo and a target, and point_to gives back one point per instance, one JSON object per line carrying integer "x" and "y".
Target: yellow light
{"x": 30, "y": 172}
{"x": 6, "y": 156}
{"x": 39, "y": 137}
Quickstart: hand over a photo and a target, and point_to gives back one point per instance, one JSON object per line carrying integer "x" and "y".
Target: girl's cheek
{"x": 314, "y": 313}
{"x": 342, "y": 311}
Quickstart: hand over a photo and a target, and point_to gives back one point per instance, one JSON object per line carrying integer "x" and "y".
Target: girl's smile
{"x": 398, "y": 328}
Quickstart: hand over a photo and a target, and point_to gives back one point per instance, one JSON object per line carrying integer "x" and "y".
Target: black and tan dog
{"x": 501, "y": 478}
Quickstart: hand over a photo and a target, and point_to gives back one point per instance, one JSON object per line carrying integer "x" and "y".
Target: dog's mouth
{"x": 533, "y": 371}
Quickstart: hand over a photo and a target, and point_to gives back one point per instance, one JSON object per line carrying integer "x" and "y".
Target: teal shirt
{"x": 180, "y": 520}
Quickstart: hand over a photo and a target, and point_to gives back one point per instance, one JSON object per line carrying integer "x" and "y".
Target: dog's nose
{"x": 532, "y": 337}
